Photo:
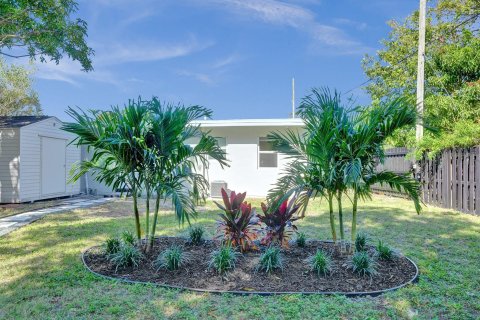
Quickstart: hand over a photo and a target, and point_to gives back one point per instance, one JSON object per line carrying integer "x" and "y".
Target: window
{"x": 267, "y": 156}
{"x": 222, "y": 142}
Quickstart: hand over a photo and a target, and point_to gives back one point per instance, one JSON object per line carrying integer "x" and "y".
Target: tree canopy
{"x": 452, "y": 73}
{"x": 17, "y": 96}
{"x": 43, "y": 29}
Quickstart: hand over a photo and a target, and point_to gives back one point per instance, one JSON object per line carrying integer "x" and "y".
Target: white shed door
{"x": 53, "y": 166}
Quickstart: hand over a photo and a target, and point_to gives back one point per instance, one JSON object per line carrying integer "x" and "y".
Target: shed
{"x": 35, "y": 159}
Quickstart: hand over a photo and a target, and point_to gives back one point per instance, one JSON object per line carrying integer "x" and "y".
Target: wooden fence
{"x": 452, "y": 180}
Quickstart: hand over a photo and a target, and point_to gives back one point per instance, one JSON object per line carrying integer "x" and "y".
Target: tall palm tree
{"x": 117, "y": 140}
{"x": 315, "y": 154}
{"x": 176, "y": 163}
{"x": 363, "y": 149}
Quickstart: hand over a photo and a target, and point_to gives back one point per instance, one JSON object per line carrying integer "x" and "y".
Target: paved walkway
{"x": 8, "y": 224}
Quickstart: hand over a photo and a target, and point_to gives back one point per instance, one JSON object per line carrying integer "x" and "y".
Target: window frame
{"x": 259, "y": 152}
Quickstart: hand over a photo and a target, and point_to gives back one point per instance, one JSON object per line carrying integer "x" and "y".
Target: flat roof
{"x": 290, "y": 122}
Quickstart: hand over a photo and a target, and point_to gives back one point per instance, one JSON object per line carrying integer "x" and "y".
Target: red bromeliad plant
{"x": 279, "y": 223}
{"x": 238, "y": 221}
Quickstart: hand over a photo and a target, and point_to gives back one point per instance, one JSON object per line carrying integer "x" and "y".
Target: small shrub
{"x": 127, "y": 256}
{"x": 128, "y": 237}
{"x": 238, "y": 222}
{"x": 112, "y": 245}
{"x": 301, "y": 239}
{"x": 384, "y": 251}
{"x": 363, "y": 264}
{"x": 196, "y": 235}
{"x": 271, "y": 259}
{"x": 223, "y": 259}
{"x": 172, "y": 259}
{"x": 278, "y": 223}
{"x": 320, "y": 262}
{"x": 361, "y": 242}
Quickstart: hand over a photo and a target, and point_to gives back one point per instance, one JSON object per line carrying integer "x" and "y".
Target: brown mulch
{"x": 295, "y": 277}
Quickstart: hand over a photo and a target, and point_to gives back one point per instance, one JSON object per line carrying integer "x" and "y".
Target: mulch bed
{"x": 295, "y": 277}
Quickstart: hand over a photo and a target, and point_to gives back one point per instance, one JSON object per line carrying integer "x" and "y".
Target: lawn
{"x": 41, "y": 275}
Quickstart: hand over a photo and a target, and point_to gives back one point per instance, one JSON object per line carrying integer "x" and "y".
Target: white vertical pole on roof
{"x": 421, "y": 68}
{"x": 293, "y": 97}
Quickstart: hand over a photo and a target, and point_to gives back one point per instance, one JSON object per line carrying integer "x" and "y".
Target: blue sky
{"x": 236, "y": 57}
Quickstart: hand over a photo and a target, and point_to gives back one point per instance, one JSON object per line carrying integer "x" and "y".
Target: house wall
{"x": 30, "y": 156}
{"x": 89, "y": 184}
{"x": 244, "y": 173}
{"x": 9, "y": 165}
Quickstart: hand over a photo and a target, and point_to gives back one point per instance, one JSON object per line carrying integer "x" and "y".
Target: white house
{"x": 35, "y": 159}
{"x": 254, "y": 165}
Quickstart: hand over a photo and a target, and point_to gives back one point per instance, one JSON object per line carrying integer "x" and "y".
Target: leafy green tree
{"x": 452, "y": 72}
{"x": 17, "y": 96}
{"x": 43, "y": 29}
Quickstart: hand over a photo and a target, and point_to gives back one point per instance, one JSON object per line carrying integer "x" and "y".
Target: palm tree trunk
{"x": 137, "y": 215}
{"x": 147, "y": 214}
{"x": 332, "y": 216}
{"x": 354, "y": 218}
{"x": 154, "y": 224}
{"x": 340, "y": 220}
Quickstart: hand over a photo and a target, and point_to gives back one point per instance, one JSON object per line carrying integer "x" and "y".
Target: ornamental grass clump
{"x": 278, "y": 223}
{"x": 128, "y": 237}
{"x": 223, "y": 259}
{"x": 195, "y": 234}
{"x": 361, "y": 242}
{"x": 384, "y": 251}
{"x": 301, "y": 239}
{"x": 127, "y": 256}
{"x": 171, "y": 259}
{"x": 238, "y": 221}
{"x": 271, "y": 260}
{"x": 112, "y": 245}
{"x": 320, "y": 263}
{"x": 363, "y": 264}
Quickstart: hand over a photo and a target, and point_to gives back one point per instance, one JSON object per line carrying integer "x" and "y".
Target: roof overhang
{"x": 292, "y": 122}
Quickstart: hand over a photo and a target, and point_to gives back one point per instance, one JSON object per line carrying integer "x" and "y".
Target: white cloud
{"x": 347, "y": 22}
{"x": 138, "y": 52}
{"x": 202, "y": 77}
{"x": 228, "y": 60}
{"x": 294, "y": 16}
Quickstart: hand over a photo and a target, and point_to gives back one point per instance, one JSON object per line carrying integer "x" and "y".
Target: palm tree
{"x": 176, "y": 162}
{"x": 315, "y": 154}
{"x": 117, "y": 140}
{"x": 363, "y": 149}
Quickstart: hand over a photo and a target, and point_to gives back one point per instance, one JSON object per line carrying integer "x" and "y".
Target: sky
{"x": 236, "y": 57}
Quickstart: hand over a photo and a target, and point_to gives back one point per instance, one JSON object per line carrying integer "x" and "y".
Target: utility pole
{"x": 421, "y": 68}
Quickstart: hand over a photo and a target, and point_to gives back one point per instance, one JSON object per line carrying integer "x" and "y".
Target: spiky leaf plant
{"x": 361, "y": 242}
{"x": 363, "y": 264}
{"x": 238, "y": 221}
{"x": 320, "y": 262}
{"x": 384, "y": 251}
{"x": 223, "y": 259}
{"x": 128, "y": 237}
{"x": 271, "y": 260}
{"x": 127, "y": 256}
{"x": 195, "y": 234}
{"x": 112, "y": 245}
{"x": 172, "y": 259}
{"x": 278, "y": 222}
{"x": 301, "y": 239}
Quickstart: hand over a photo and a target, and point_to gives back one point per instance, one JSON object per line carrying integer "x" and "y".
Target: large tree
{"x": 44, "y": 29}
{"x": 17, "y": 96}
{"x": 452, "y": 73}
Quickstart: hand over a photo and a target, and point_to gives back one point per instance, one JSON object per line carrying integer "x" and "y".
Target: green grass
{"x": 42, "y": 277}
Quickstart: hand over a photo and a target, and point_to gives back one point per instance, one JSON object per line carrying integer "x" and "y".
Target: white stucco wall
{"x": 244, "y": 173}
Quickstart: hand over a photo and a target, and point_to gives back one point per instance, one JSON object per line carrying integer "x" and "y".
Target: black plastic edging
{"x": 260, "y": 293}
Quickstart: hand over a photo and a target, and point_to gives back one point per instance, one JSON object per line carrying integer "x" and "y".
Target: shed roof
{"x": 19, "y": 121}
